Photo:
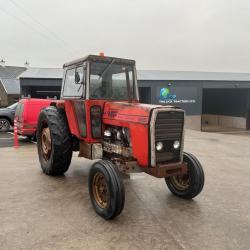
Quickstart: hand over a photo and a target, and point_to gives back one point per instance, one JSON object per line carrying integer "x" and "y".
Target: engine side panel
{"x": 128, "y": 112}
{"x": 135, "y": 117}
{"x": 139, "y": 137}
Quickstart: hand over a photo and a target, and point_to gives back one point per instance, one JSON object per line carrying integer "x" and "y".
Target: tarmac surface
{"x": 43, "y": 212}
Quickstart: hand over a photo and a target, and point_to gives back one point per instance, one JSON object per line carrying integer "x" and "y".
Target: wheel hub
{"x": 181, "y": 182}
{"x": 100, "y": 190}
{"x": 3, "y": 124}
{"x": 46, "y": 143}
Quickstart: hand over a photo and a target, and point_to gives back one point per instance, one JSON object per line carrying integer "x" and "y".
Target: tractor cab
{"x": 100, "y": 78}
{"x": 91, "y": 82}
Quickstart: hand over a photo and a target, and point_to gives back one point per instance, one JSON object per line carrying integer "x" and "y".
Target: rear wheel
{"x": 106, "y": 189}
{"x": 4, "y": 125}
{"x": 54, "y": 141}
{"x": 189, "y": 185}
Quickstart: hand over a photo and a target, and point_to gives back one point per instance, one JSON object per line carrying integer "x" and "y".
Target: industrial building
{"x": 212, "y": 101}
{"x": 9, "y": 84}
{"x": 41, "y": 82}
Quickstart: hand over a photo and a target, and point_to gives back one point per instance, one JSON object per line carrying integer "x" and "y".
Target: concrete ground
{"x": 224, "y": 130}
{"x": 42, "y": 212}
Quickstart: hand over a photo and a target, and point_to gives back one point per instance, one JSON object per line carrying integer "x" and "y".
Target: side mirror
{"x": 77, "y": 78}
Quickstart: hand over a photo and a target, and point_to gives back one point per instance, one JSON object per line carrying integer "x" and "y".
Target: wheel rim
{"x": 46, "y": 143}
{"x": 100, "y": 190}
{"x": 4, "y": 124}
{"x": 181, "y": 182}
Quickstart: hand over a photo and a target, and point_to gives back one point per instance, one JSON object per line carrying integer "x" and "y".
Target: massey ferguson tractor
{"x": 100, "y": 116}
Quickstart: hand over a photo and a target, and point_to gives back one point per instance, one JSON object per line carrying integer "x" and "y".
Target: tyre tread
{"x": 117, "y": 188}
{"x": 199, "y": 179}
{"x": 61, "y": 140}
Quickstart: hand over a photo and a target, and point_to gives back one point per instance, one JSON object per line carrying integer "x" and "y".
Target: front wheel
{"x": 189, "y": 185}
{"x": 106, "y": 189}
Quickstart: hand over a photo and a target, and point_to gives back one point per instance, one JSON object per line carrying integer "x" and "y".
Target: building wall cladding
{"x": 188, "y": 94}
{"x": 185, "y": 94}
{"x": 3, "y": 96}
{"x": 13, "y": 98}
{"x": 248, "y": 100}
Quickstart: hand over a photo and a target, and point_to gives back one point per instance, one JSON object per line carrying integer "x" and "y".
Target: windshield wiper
{"x": 106, "y": 69}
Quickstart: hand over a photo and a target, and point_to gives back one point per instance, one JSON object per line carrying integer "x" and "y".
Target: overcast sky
{"x": 198, "y": 35}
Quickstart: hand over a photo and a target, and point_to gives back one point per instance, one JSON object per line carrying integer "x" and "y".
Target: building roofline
{"x": 143, "y": 75}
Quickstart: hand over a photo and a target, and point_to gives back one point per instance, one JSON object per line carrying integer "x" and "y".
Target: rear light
{"x": 96, "y": 121}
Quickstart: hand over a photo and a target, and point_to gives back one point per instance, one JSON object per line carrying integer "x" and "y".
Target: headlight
{"x": 118, "y": 135}
{"x": 159, "y": 146}
{"x": 107, "y": 133}
{"x": 176, "y": 144}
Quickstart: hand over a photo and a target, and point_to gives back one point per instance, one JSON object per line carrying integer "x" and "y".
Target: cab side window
{"x": 71, "y": 88}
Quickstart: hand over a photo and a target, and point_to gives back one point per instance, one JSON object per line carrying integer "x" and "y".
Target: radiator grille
{"x": 168, "y": 128}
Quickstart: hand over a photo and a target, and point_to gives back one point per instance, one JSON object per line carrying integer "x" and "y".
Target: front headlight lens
{"x": 159, "y": 146}
{"x": 176, "y": 144}
{"x": 107, "y": 133}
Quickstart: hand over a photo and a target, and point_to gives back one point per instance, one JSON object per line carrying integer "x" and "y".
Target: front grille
{"x": 168, "y": 128}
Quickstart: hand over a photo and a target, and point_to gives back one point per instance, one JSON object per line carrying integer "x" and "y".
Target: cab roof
{"x": 95, "y": 58}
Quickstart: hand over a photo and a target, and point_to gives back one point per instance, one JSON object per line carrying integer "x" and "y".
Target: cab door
{"x": 73, "y": 92}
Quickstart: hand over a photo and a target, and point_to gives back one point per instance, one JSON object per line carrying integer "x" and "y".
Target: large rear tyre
{"x": 54, "y": 143}
{"x": 189, "y": 185}
{"x": 106, "y": 189}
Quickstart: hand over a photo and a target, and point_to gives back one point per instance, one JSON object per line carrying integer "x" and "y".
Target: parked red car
{"x": 27, "y": 113}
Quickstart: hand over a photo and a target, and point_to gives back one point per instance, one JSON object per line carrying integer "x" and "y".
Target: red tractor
{"x": 100, "y": 116}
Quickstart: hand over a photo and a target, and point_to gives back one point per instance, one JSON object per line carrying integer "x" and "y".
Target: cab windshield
{"x": 110, "y": 80}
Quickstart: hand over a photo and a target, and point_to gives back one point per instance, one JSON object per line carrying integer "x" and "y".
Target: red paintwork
{"x": 71, "y": 117}
{"x": 134, "y": 116}
{"x": 27, "y": 123}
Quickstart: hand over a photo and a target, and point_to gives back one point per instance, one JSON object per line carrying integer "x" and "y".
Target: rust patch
{"x": 165, "y": 170}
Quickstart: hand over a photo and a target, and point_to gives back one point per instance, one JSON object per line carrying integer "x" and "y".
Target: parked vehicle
{"x": 27, "y": 113}
{"x": 101, "y": 117}
{"x": 7, "y": 117}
